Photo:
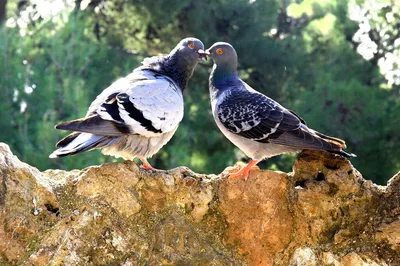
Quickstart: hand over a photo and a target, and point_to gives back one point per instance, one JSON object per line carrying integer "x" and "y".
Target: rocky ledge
{"x": 322, "y": 213}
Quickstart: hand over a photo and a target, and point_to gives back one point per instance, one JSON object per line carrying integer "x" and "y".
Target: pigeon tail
{"x": 344, "y": 153}
{"x": 95, "y": 125}
{"x": 307, "y": 138}
{"x": 77, "y": 143}
{"x": 336, "y": 142}
{"x": 65, "y": 141}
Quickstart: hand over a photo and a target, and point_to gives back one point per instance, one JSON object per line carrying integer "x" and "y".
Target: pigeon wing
{"x": 255, "y": 116}
{"x": 141, "y": 103}
{"x": 149, "y": 107}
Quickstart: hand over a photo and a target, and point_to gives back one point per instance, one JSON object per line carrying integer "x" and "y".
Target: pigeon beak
{"x": 202, "y": 54}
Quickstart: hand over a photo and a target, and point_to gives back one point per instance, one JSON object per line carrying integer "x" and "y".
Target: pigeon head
{"x": 183, "y": 60}
{"x": 189, "y": 51}
{"x": 224, "y": 56}
{"x": 180, "y": 63}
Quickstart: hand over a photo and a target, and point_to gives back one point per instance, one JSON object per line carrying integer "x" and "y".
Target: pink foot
{"x": 245, "y": 171}
{"x": 147, "y": 166}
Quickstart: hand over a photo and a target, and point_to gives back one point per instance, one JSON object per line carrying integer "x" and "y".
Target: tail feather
{"x": 68, "y": 139}
{"x": 79, "y": 142}
{"x": 95, "y": 125}
{"x": 344, "y": 153}
{"x": 306, "y": 138}
{"x": 333, "y": 140}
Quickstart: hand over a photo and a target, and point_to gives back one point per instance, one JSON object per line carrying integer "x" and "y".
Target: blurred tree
{"x": 56, "y": 57}
{"x": 3, "y": 4}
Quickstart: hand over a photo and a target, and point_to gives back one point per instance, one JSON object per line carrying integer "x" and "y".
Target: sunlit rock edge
{"x": 322, "y": 213}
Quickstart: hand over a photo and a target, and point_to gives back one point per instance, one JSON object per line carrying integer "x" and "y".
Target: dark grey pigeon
{"x": 258, "y": 125}
{"x": 138, "y": 114}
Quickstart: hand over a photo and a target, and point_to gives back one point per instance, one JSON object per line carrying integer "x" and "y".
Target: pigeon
{"x": 138, "y": 114}
{"x": 255, "y": 123}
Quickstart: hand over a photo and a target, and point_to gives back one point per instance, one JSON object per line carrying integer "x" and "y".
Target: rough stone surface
{"x": 303, "y": 257}
{"x": 322, "y": 213}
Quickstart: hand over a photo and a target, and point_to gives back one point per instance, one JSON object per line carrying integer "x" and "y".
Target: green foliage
{"x": 302, "y": 55}
{"x": 66, "y": 68}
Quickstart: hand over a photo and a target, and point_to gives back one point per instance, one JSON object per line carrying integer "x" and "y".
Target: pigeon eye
{"x": 191, "y": 45}
{"x": 219, "y": 51}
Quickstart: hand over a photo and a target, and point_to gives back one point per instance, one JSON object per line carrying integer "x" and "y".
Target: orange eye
{"x": 220, "y": 51}
{"x": 191, "y": 45}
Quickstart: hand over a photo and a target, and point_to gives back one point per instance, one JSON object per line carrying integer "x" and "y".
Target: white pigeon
{"x": 137, "y": 114}
{"x": 255, "y": 123}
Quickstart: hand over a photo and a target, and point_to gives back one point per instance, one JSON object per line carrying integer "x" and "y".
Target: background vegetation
{"x": 336, "y": 63}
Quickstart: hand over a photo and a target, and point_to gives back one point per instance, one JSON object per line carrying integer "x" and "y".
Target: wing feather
{"x": 142, "y": 103}
{"x": 252, "y": 115}
{"x": 95, "y": 125}
{"x": 255, "y": 116}
{"x": 150, "y": 105}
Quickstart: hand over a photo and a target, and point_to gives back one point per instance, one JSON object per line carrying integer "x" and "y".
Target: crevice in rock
{"x": 333, "y": 189}
{"x": 52, "y": 209}
{"x": 349, "y": 172}
{"x": 301, "y": 183}
{"x": 3, "y": 190}
{"x": 320, "y": 177}
{"x": 332, "y": 165}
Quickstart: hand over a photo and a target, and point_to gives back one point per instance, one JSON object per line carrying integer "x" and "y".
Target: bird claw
{"x": 243, "y": 171}
{"x": 147, "y": 167}
{"x": 231, "y": 170}
{"x": 241, "y": 174}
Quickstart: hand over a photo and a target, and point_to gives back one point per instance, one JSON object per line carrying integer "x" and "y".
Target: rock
{"x": 118, "y": 193}
{"x": 303, "y": 257}
{"x": 25, "y": 201}
{"x": 391, "y": 233}
{"x": 352, "y": 259}
{"x": 329, "y": 259}
{"x": 254, "y": 212}
{"x": 389, "y": 217}
{"x": 323, "y": 213}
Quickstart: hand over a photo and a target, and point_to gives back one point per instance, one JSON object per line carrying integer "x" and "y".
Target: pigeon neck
{"x": 178, "y": 70}
{"x": 172, "y": 66}
{"x": 221, "y": 76}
